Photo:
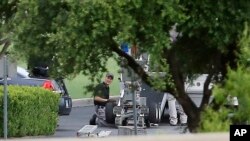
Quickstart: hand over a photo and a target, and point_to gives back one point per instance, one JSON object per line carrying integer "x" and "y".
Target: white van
{"x": 194, "y": 88}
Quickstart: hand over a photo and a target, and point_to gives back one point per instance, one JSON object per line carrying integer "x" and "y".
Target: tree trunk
{"x": 5, "y": 43}
{"x": 189, "y": 107}
{"x": 179, "y": 93}
{"x": 192, "y": 111}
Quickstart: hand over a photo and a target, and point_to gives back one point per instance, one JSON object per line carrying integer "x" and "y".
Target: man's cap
{"x": 110, "y": 75}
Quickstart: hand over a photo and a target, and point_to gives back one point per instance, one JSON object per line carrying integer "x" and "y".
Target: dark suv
{"x": 23, "y": 78}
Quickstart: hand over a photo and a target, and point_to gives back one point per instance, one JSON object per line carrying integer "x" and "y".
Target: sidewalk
{"x": 172, "y": 137}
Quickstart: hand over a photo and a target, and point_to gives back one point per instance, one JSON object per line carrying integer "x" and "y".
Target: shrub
{"x": 32, "y": 111}
{"x": 214, "y": 121}
{"x": 236, "y": 85}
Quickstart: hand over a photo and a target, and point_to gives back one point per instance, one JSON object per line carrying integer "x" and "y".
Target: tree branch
{"x": 6, "y": 44}
{"x": 133, "y": 64}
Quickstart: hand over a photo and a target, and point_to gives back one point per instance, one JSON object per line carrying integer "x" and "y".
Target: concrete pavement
{"x": 82, "y": 102}
{"x": 169, "y": 137}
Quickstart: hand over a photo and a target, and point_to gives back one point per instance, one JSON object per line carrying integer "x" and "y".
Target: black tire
{"x": 65, "y": 109}
{"x": 92, "y": 121}
{"x": 147, "y": 123}
{"x": 110, "y": 116}
{"x": 153, "y": 115}
{"x": 125, "y": 122}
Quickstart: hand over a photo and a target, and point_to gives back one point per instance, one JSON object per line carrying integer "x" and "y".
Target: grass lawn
{"x": 76, "y": 86}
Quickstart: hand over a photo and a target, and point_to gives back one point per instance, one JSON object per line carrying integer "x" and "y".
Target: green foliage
{"x": 32, "y": 111}
{"x": 7, "y": 10}
{"x": 207, "y": 33}
{"x": 80, "y": 36}
{"x": 215, "y": 121}
{"x": 238, "y": 80}
{"x": 212, "y": 24}
{"x": 237, "y": 86}
{"x": 160, "y": 76}
{"x": 245, "y": 44}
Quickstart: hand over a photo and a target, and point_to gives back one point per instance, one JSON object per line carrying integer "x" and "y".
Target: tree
{"x": 7, "y": 9}
{"x": 79, "y": 36}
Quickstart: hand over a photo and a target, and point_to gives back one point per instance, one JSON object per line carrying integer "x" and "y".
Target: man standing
{"x": 101, "y": 97}
{"x": 175, "y": 107}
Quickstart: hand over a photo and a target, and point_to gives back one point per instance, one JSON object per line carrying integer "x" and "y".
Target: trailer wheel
{"x": 125, "y": 122}
{"x": 110, "y": 116}
{"x": 153, "y": 115}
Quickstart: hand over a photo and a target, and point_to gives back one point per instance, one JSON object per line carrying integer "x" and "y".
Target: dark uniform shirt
{"x": 101, "y": 90}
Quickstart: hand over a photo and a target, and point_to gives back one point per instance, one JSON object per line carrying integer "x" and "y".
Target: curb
{"x": 86, "y": 101}
{"x": 82, "y": 102}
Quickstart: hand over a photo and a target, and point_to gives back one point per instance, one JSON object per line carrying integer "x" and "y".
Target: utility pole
{"x": 134, "y": 102}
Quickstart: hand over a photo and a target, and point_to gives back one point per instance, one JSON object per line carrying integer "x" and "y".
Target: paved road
{"x": 69, "y": 125}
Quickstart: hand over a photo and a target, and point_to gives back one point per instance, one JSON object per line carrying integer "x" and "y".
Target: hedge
{"x": 32, "y": 111}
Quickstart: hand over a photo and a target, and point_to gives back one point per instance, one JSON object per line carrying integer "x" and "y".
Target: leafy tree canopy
{"x": 79, "y": 36}
{"x": 7, "y": 10}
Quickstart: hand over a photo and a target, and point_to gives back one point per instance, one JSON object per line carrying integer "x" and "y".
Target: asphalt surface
{"x": 69, "y": 125}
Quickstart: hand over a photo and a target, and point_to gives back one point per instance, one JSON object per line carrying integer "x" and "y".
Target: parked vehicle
{"x": 23, "y": 78}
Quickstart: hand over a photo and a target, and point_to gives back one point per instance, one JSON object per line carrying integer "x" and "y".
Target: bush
{"x": 236, "y": 85}
{"x": 32, "y": 111}
{"x": 214, "y": 121}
